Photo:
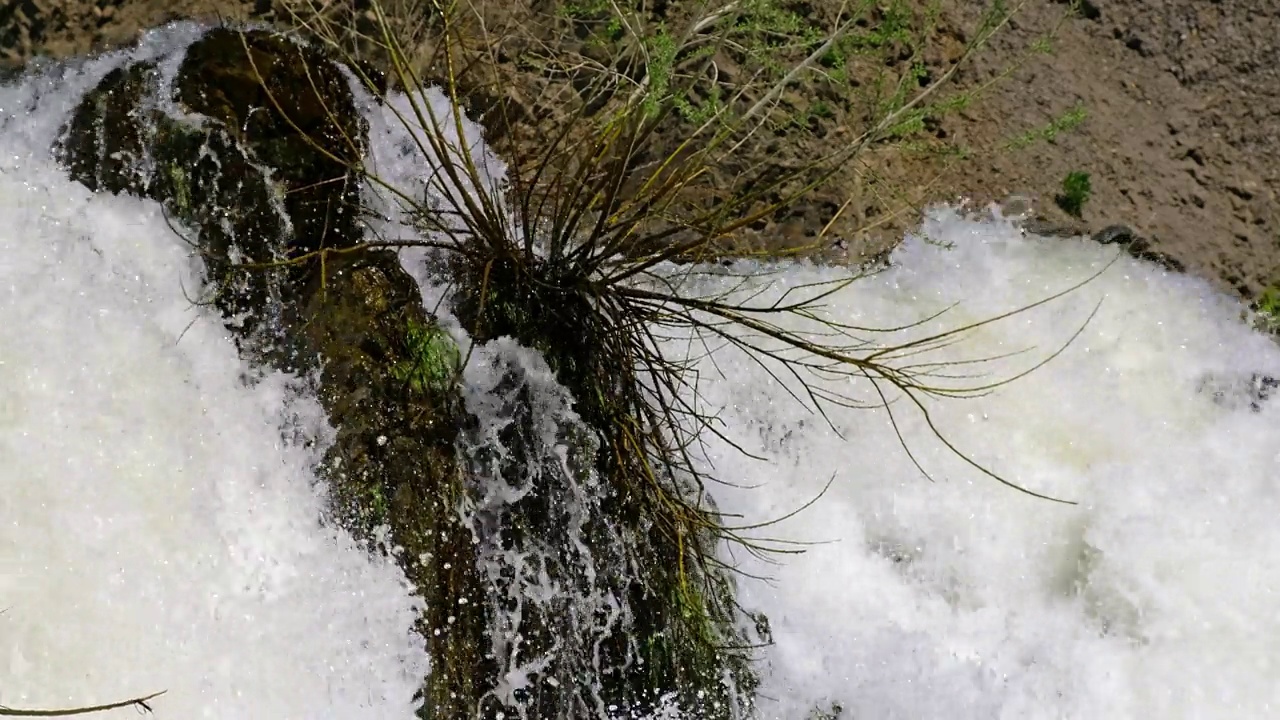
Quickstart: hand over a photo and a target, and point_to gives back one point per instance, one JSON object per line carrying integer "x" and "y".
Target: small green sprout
{"x": 1075, "y": 192}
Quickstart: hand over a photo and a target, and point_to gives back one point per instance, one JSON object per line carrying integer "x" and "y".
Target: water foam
{"x": 960, "y": 598}
{"x": 156, "y": 532}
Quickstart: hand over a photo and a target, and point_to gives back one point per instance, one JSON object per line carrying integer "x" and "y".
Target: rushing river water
{"x": 157, "y": 534}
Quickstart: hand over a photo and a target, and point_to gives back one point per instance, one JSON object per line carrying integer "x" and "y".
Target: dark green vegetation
{"x": 1266, "y": 311}
{"x": 1075, "y": 193}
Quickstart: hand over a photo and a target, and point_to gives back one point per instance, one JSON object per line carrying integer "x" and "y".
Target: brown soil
{"x": 1181, "y": 136}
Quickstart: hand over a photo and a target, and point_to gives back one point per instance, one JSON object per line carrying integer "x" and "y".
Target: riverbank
{"x": 1165, "y": 110}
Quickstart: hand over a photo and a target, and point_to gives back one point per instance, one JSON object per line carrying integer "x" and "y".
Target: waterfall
{"x": 162, "y": 530}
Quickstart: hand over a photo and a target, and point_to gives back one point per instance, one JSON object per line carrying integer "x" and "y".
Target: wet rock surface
{"x": 545, "y": 590}
{"x": 258, "y": 200}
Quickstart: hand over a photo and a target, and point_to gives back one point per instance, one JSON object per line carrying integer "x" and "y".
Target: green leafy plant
{"x": 1266, "y": 311}
{"x": 1068, "y": 121}
{"x": 1075, "y": 193}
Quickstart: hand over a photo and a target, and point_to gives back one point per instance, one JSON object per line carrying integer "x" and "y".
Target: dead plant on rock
{"x": 573, "y": 253}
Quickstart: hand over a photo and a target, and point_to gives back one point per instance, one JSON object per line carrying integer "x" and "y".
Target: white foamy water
{"x": 155, "y": 532}
{"x": 1156, "y": 596}
{"x": 158, "y": 535}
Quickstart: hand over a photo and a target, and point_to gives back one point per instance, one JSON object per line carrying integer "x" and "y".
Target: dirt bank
{"x": 1180, "y": 131}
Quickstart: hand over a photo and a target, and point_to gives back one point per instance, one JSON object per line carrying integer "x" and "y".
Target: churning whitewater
{"x": 155, "y": 531}
{"x": 158, "y": 534}
{"x": 1155, "y": 596}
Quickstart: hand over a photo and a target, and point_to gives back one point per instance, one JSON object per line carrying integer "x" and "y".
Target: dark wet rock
{"x": 388, "y": 387}
{"x": 248, "y": 177}
{"x": 624, "y": 615}
{"x": 559, "y": 598}
{"x": 244, "y": 81}
{"x": 10, "y": 71}
{"x": 245, "y": 178}
{"x": 658, "y": 619}
{"x": 1123, "y": 235}
{"x": 1164, "y": 260}
{"x": 1238, "y": 393}
{"x": 1114, "y": 234}
{"x": 1137, "y": 246}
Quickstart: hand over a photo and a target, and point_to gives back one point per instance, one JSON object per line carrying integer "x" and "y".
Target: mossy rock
{"x": 255, "y": 168}
{"x": 257, "y": 187}
{"x": 681, "y": 639}
{"x": 394, "y": 462}
{"x": 260, "y": 185}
